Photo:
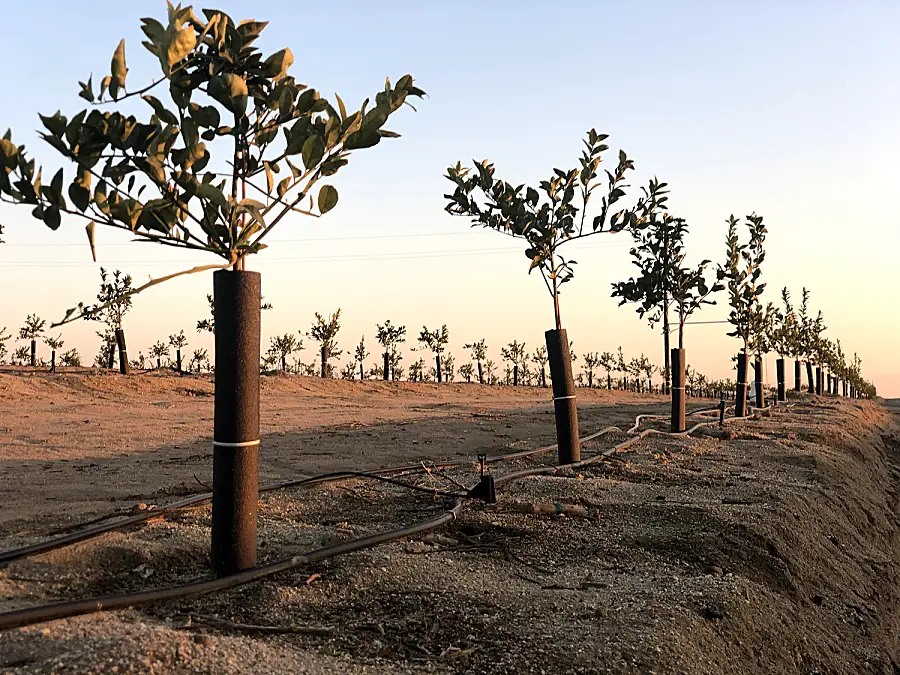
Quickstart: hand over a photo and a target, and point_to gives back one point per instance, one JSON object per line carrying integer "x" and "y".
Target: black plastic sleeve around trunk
{"x": 237, "y": 297}
{"x": 569, "y": 447}
{"x": 123, "y": 351}
{"x": 740, "y": 399}
{"x": 678, "y": 362}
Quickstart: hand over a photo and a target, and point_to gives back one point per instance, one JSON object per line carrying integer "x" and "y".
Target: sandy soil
{"x": 771, "y": 546}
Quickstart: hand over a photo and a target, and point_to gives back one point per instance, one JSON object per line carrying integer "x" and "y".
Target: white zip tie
{"x": 562, "y": 398}
{"x": 244, "y": 444}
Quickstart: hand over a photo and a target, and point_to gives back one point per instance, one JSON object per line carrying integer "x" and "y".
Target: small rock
{"x": 714, "y": 570}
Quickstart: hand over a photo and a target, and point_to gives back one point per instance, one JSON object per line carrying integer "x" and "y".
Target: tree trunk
{"x": 819, "y": 380}
{"x": 178, "y": 360}
{"x": 480, "y": 373}
{"x": 568, "y": 445}
{"x": 797, "y": 383}
{"x": 158, "y": 363}
{"x": 543, "y": 377}
{"x": 123, "y": 351}
{"x": 387, "y": 366}
{"x": 437, "y": 362}
{"x": 112, "y": 354}
{"x": 362, "y": 372}
{"x": 809, "y": 377}
{"x": 324, "y": 352}
{"x": 33, "y": 353}
{"x": 515, "y": 374}
{"x": 284, "y": 364}
{"x": 608, "y": 382}
{"x": 677, "y": 372}
{"x": 740, "y": 400}
{"x": 236, "y": 446}
{"x": 52, "y": 360}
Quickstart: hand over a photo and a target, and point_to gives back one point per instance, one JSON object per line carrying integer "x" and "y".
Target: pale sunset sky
{"x": 788, "y": 108}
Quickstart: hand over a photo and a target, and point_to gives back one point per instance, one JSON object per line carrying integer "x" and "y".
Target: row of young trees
{"x": 224, "y": 121}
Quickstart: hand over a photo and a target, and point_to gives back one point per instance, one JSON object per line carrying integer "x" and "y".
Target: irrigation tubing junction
{"x": 65, "y": 609}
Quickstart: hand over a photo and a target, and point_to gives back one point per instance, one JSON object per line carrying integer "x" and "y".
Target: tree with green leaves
{"x": 622, "y": 367}
{"x": 416, "y": 370}
{"x": 196, "y": 170}
{"x": 467, "y": 370}
{"x": 516, "y": 355}
{"x": 806, "y": 338}
{"x": 743, "y": 268}
{"x": 435, "y": 341}
{"x": 547, "y": 218}
{"x": 448, "y": 367}
{"x": 32, "y": 330}
{"x": 539, "y": 359}
{"x": 479, "y": 354}
{"x": 178, "y": 341}
{"x": 648, "y": 369}
{"x": 280, "y": 348}
{"x": 199, "y": 358}
{"x": 591, "y": 361}
{"x": 360, "y": 357}
{"x": 113, "y": 302}
{"x": 70, "y": 359}
{"x": 4, "y": 337}
{"x": 489, "y": 370}
{"x": 395, "y": 367}
{"x": 139, "y": 363}
{"x": 158, "y": 351}
{"x": 20, "y": 356}
{"x": 55, "y": 343}
{"x": 324, "y": 331}
{"x": 664, "y": 280}
{"x": 607, "y": 361}
{"x": 389, "y": 337}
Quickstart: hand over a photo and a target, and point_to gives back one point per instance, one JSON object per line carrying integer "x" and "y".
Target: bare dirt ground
{"x": 770, "y": 546}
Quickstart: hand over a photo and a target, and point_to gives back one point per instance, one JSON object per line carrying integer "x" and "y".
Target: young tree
{"x": 113, "y": 302}
{"x": 158, "y": 180}
{"x": 608, "y": 362}
{"x": 783, "y": 339}
{"x": 743, "y": 267}
{"x": 70, "y": 359}
{"x": 20, "y": 357}
{"x": 416, "y": 370}
{"x": 622, "y": 367}
{"x": 467, "y": 370}
{"x": 489, "y": 369}
{"x": 199, "y": 358}
{"x": 140, "y": 363}
{"x": 324, "y": 331}
{"x": 4, "y": 337}
{"x": 178, "y": 341}
{"x": 515, "y": 353}
{"x": 448, "y": 365}
{"x": 389, "y": 337}
{"x": 664, "y": 279}
{"x": 54, "y": 343}
{"x": 548, "y": 218}
{"x": 360, "y": 357}
{"x": 636, "y": 369}
{"x": 479, "y": 354}
{"x": 395, "y": 367}
{"x": 32, "y": 330}
{"x": 435, "y": 341}
{"x": 648, "y": 369}
{"x": 539, "y": 358}
{"x": 280, "y": 348}
{"x": 591, "y": 361}
{"x": 158, "y": 351}
{"x": 806, "y": 338}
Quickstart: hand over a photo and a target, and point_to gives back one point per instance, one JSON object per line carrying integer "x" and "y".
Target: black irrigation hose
{"x": 90, "y": 532}
{"x": 60, "y": 610}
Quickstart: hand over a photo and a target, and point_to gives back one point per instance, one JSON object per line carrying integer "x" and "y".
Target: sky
{"x": 786, "y": 109}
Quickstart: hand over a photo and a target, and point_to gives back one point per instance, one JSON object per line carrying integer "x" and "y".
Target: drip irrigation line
{"x": 194, "y": 500}
{"x": 61, "y": 610}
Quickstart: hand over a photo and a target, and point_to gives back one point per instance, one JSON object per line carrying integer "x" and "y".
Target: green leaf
{"x": 80, "y": 196}
{"x": 165, "y": 116}
{"x": 328, "y": 198}
{"x": 51, "y": 217}
{"x": 231, "y": 91}
{"x": 313, "y": 151}
{"x": 283, "y": 186}
{"x": 87, "y": 90}
{"x": 56, "y": 124}
{"x": 276, "y": 66}
{"x": 119, "y": 71}
{"x": 181, "y": 45}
